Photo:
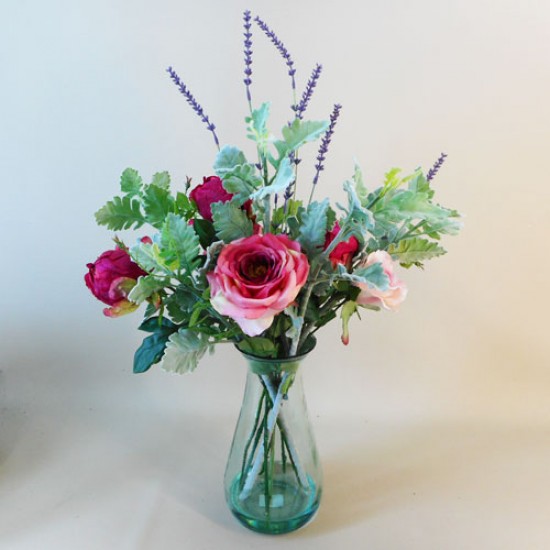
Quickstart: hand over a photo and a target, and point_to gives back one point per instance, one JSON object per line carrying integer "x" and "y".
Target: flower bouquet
{"x": 243, "y": 258}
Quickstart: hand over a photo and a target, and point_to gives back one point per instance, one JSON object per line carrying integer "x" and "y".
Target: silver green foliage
{"x": 184, "y": 350}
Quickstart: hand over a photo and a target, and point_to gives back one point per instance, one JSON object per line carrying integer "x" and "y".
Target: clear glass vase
{"x": 273, "y": 478}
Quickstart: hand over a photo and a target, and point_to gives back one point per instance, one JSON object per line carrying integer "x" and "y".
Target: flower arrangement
{"x": 242, "y": 258}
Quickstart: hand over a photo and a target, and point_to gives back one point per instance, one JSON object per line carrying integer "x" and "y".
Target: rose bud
{"x": 343, "y": 252}
{"x": 207, "y": 193}
{"x": 111, "y": 278}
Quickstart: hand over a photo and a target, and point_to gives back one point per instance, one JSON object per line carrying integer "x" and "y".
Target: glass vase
{"x": 273, "y": 478}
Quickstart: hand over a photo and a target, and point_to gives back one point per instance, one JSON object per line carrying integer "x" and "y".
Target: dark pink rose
{"x": 256, "y": 278}
{"x": 111, "y": 278}
{"x": 207, "y": 193}
{"x": 343, "y": 252}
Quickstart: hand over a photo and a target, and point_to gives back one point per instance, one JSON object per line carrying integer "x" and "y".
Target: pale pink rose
{"x": 396, "y": 291}
{"x": 257, "y": 277}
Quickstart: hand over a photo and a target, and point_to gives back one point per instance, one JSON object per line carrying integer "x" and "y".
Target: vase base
{"x": 286, "y": 509}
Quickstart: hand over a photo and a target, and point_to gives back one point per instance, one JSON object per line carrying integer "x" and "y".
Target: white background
{"x": 433, "y": 425}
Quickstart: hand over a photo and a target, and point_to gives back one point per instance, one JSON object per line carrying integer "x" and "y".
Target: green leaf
{"x": 158, "y": 324}
{"x": 205, "y": 231}
{"x": 146, "y": 287}
{"x": 184, "y": 350}
{"x": 148, "y": 257}
{"x": 130, "y": 182}
{"x": 257, "y": 345}
{"x": 257, "y": 126}
{"x": 314, "y": 228}
{"x": 227, "y": 159}
{"x": 301, "y": 132}
{"x": 150, "y": 351}
{"x": 180, "y": 243}
{"x": 415, "y": 250}
{"x": 285, "y": 176}
{"x": 230, "y": 221}
{"x": 419, "y": 184}
{"x": 120, "y": 213}
{"x": 360, "y": 188}
{"x": 242, "y": 181}
{"x": 184, "y": 207}
{"x": 373, "y": 276}
{"x": 162, "y": 180}
{"x": 157, "y": 203}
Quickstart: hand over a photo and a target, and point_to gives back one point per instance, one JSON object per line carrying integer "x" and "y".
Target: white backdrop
{"x": 433, "y": 424}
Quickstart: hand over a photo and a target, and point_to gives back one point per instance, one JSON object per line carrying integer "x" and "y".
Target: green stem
{"x": 251, "y": 437}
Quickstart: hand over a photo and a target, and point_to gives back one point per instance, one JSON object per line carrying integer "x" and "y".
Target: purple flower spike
{"x": 325, "y": 142}
{"x": 280, "y": 47}
{"x": 308, "y": 92}
{"x": 193, "y": 102}
{"x": 435, "y": 168}
{"x": 247, "y": 53}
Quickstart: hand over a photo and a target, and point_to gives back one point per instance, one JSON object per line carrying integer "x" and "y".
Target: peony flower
{"x": 207, "y": 193}
{"x": 111, "y": 278}
{"x": 343, "y": 252}
{"x": 396, "y": 291}
{"x": 255, "y": 278}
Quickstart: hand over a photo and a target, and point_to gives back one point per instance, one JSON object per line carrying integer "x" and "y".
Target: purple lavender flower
{"x": 247, "y": 53}
{"x": 435, "y": 168}
{"x": 280, "y": 47}
{"x": 325, "y": 142}
{"x": 308, "y": 92}
{"x": 193, "y": 102}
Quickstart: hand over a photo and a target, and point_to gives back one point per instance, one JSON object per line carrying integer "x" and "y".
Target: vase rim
{"x": 283, "y": 360}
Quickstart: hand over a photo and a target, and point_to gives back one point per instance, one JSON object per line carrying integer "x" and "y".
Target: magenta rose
{"x": 396, "y": 291}
{"x": 343, "y": 252}
{"x": 255, "y": 278}
{"x": 111, "y": 278}
{"x": 207, "y": 193}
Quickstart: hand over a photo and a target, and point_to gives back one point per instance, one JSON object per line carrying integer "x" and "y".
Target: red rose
{"x": 110, "y": 278}
{"x": 207, "y": 193}
{"x": 343, "y": 252}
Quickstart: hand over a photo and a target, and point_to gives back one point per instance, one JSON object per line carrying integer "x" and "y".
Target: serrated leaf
{"x": 180, "y": 243}
{"x": 145, "y": 288}
{"x": 242, "y": 181}
{"x": 314, "y": 228}
{"x": 120, "y": 213}
{"x": 360, "y": 188}
{"x": 257, "y": 126}
{"x": 157, "y": 203}
{"x": 227, "y": 159}
{"x": 285, "y": 176}
{"x": 148, "y": 256}
{"x": 162, "y": 180}
{"x": 231, "y": 222}
{"x": 303, "y": 131}
{"x": 183, "y": 351}
{"x": 130, "y": 182}
{"x": 411, "y": 251}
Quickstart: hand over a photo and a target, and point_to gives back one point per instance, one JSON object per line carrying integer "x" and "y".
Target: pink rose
{"x": 396, "y": 291}
{"x": 257, "y": 277}
{"x": 111, "y": 278}
{"x": 343, "y": 252}
{"x": 207, "y": 193}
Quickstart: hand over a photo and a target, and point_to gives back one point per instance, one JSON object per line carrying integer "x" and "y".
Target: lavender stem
{"x": 435, "y": 168}
{"x": 323, "y": 148}
{"x": 194, "y": 103}
{"x": 308, "y": 92}
{"x": 248, "y": 56}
